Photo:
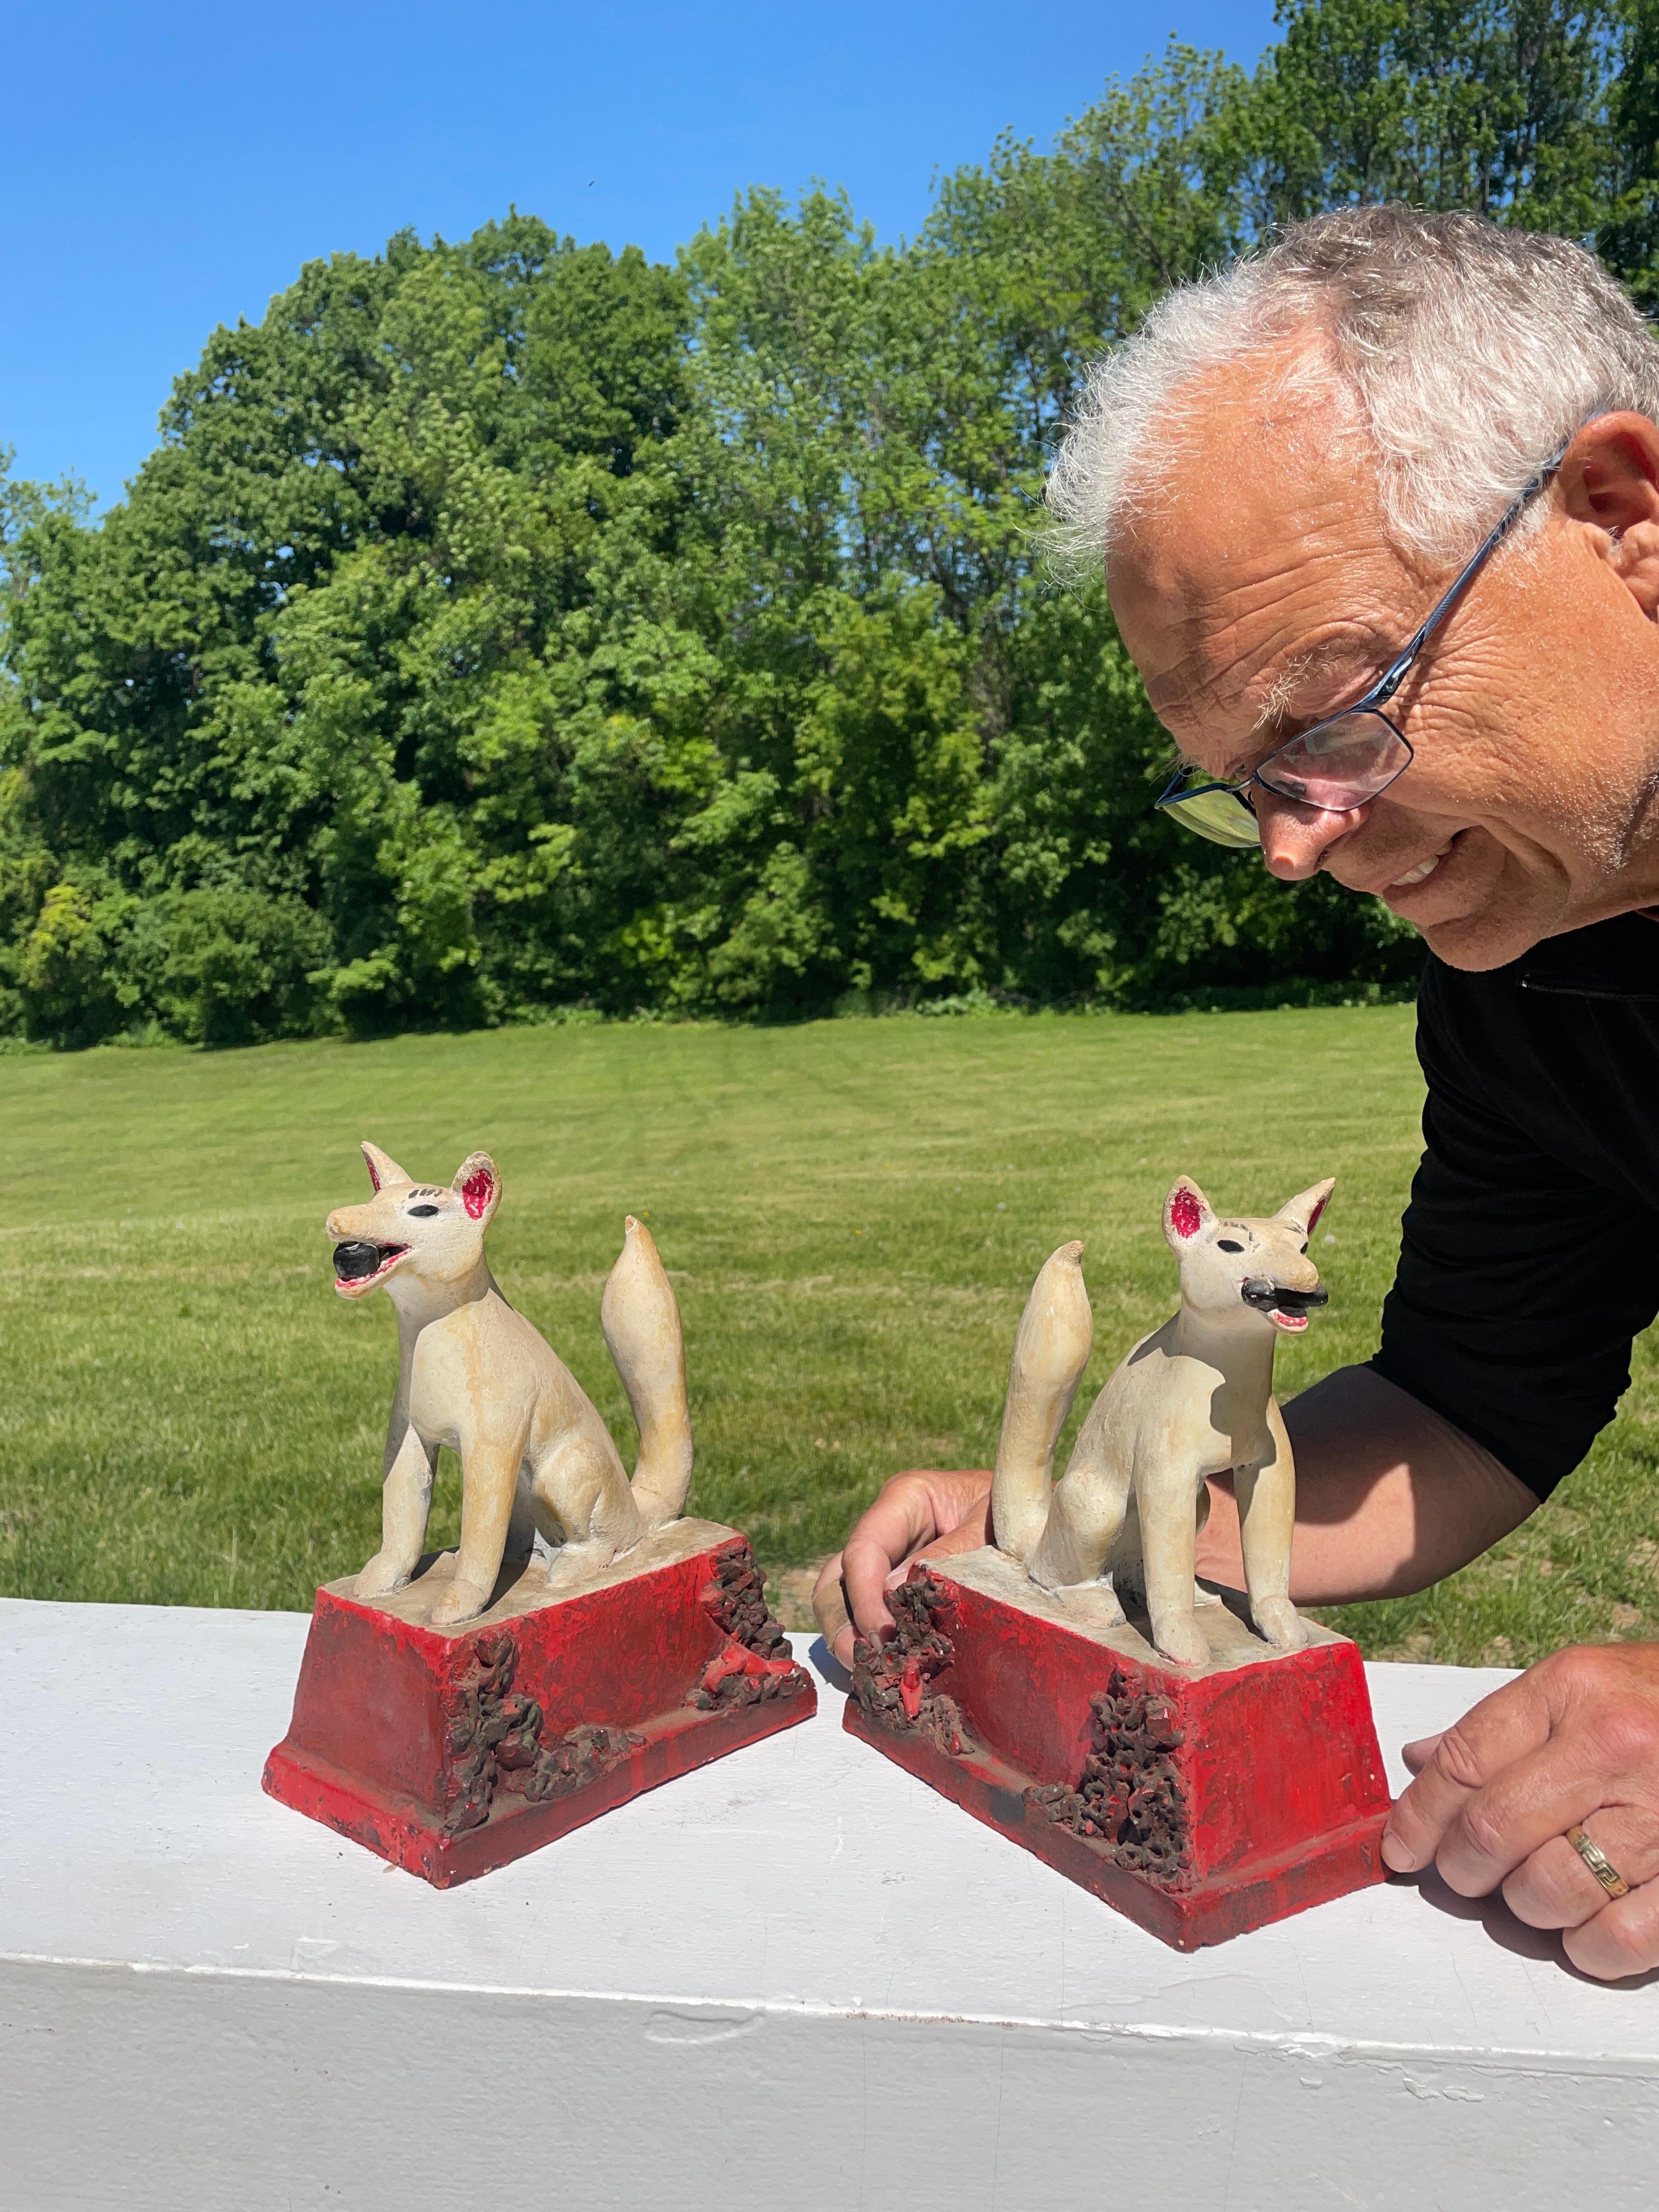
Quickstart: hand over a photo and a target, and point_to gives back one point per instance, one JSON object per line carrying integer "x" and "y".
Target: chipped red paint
{"x": 737, "y": 1659}
{"x": 909, "y": 1687}
{"x": 478, "y": 1191}
{"x": 374, "y": 1751}
{"x": 1186, "y": 1215}
{"x": 1277, "y": 1764}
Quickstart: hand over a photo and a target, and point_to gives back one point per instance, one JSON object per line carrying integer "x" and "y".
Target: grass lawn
{"x": 853, "y": 1212}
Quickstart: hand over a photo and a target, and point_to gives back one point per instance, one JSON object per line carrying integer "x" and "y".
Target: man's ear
{"x": 1302, "y": 1213}
{"x": 1610, "y": 477}
{"x": 479, "y": 1185}
{"x": 382, "y": 1168}
{"x": 1186, "y": 1214}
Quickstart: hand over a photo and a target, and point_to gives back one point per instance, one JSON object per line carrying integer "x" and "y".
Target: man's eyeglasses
{"x": 1351, "y": 758}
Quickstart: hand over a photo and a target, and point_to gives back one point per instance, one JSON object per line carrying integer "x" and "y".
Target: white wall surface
{"x": 797, "y": 1978}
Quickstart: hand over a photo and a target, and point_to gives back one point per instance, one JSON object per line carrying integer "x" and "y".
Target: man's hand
{"x": 921, "y": 1515}
{"x": 1574, "y": 1739}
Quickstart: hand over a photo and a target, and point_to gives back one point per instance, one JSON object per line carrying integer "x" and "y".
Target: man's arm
{"x": 1390, "y": 1499}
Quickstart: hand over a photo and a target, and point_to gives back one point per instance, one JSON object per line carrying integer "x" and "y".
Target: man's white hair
{"x": 1473, "y": 354}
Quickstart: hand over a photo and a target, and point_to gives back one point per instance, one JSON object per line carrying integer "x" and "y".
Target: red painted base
{"x": 1199, "y": 1804}
{"x": 451, "y": 1752}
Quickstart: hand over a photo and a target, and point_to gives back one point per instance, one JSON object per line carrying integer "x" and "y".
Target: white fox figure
{"x": 1192, "y": 1400}
{"x": 475, "y": 1375}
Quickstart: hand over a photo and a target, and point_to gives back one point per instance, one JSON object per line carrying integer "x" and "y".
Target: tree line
{"x": 509, "y": 627}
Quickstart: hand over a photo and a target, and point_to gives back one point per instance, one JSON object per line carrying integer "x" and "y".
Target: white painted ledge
{"x": 794, "y": 1979}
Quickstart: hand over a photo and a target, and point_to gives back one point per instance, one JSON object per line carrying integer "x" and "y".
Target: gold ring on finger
{"x": 1598, "y": 1862}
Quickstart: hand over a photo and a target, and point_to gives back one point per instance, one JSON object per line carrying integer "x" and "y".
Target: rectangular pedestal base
{"x": 995, "y": 1792}
{"x": 451, "y": 1752}
{"x": 1200, "y": 1803}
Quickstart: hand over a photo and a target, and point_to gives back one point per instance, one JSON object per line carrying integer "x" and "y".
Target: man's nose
{"x": 1295, "y": 839}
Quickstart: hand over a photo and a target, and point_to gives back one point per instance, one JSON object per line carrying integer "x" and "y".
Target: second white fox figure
{"x": 474, "y": 1374}
{"x": 1192, "y": 1400}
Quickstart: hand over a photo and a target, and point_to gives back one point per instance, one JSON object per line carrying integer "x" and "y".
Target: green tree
{"x": 506, "y": 624}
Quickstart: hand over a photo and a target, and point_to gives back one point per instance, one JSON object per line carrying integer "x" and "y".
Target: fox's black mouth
{"x": 360, "y": 1263}
{"x": 1271, "y": 1297}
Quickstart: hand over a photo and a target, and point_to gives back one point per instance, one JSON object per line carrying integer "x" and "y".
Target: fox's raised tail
{"x": 1056, "y": 1334}
{"x": 640, "y": 1318}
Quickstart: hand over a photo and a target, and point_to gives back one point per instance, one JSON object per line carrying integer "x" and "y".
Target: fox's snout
{"x": 351, "y": 1223}
{"x": 1290, "y": 1267}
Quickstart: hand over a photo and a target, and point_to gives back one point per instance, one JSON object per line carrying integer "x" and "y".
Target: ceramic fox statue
{"x": 536, "y": 1458}
{"x": 1192, "y": 1400}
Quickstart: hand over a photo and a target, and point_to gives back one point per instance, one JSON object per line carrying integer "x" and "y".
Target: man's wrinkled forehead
{"x": 1231, "y": 682}
{"x": 1257, "y": 584}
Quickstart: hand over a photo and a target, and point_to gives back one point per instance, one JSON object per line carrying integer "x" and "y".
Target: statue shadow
{"x": 1509, "y": 1934}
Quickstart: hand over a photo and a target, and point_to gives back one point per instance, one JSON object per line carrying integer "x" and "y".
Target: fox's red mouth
{"x": 359, "y": 1266}
{"x": 1286, "y": 1309}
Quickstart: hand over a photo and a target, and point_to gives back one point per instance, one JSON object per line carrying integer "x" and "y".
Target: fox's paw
{"x": 460, "y": 1600}
{"x": 381, "y": 1576}
{"x": 1278, "y": 1620}
{"x": 1095, "y": 1602}
{"x": 569, "y": 1565}
{"x": 1178, "y": 1637}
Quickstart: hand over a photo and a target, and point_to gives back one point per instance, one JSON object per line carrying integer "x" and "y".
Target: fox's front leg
{"x": 405, "y": 1501}
{"x": 489, "y": 1482}
{"x": 1169, "y": 1540}
{"x": 1266, "y": 1527}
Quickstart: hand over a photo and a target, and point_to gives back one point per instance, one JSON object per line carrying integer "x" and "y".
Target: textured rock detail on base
{"x": 756, "y": 1666}
{"x": 492, "y": 1740}
{"x": 1130, "y": 1802}
{"x": 890, "y": 1681}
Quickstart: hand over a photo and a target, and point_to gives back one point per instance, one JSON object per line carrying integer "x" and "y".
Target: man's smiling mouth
{"x": 1421, "y": 872}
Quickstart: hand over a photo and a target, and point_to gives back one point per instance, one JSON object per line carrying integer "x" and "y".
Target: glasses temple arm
{"x": 1394, "y": 676}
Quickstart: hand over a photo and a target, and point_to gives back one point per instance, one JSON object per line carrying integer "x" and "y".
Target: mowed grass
{"x": 852, "y": 1212}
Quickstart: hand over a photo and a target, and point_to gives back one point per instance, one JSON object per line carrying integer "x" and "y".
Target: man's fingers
{"x": 970, "y": 1537}
{"x": 1503, "y": 1727}
{"x": 902, "y": 1519}
{"x": 1416, "y": 1755}
{"x": 1528, "y": 1804}
{"x": 1621, "y": 1939}
{"x": 829, "y": 1611}
{"x": 911, "y": 1509}
{"x": 1554, "y": 1888}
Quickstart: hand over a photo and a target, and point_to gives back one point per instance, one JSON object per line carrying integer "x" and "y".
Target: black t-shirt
{"x": 1529, "y": 1252}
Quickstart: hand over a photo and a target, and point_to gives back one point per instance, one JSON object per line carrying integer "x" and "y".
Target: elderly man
{"x": 1380, "y": 515}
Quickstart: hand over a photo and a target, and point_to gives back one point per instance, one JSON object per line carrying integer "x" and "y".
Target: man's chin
{"x": 1479, "y": 942}
{"x": 1503, "y": 927}
{"x": 1479, "y": 909}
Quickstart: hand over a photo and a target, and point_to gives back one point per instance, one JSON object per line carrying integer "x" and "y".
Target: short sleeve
{"x": 1521, "y": 1286}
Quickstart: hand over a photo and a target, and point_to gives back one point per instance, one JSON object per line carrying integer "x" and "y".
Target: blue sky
{"x": 165, "y": 168}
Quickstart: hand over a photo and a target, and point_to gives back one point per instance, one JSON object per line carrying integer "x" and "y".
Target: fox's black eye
{"x": 421, "y": 1213}
{"x": 1226, "y": 1244}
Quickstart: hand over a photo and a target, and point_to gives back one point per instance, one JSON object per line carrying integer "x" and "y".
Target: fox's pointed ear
{"x": 382, "y": 1168}
{"x": 1302, "y": 1212}
{"x": 1186, "y": 1214}
{"x": 479, "y": 1185}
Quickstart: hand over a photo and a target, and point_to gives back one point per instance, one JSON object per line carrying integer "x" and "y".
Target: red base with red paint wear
{"x": 1201, "y": 1802}
{"x": 450, "y": 1751}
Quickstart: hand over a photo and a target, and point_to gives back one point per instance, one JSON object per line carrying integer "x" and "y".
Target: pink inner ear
{"x": 1313, "y": 1218}
{"x": 1186, "y": 1215}
{"x": 478, "y": 1191}
{"x": 372, "y": 1177}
